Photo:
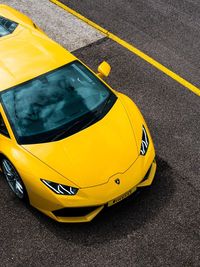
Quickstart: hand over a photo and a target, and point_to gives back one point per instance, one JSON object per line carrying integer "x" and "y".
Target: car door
{"x": 7, "y": 139}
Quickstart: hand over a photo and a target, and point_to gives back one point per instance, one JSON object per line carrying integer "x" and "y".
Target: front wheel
{"x": 14, "y": 180}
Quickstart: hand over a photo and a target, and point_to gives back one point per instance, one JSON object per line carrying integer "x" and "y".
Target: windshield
{"x": 56, "y": 104}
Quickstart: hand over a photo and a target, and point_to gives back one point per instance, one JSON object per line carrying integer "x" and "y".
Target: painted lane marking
{"x": 133, "y": 49}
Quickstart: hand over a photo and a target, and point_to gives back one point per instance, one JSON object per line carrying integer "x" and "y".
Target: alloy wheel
{"x": 13, "y": 179}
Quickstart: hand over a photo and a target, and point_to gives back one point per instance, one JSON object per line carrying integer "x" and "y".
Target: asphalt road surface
{"x": 161, "y": 225}
{"x": 58, "y": 24}
{"x": 167, "y": 30}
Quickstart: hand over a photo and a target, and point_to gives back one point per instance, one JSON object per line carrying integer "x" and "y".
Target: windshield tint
{"x": 56, "y": 104}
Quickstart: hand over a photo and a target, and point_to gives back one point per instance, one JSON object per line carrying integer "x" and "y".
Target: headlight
{"x": 145, "y": 142}
{"x": 60, "y": 188}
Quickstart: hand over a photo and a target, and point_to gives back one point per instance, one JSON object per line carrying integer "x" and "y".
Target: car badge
{"x": 117, "y": 181}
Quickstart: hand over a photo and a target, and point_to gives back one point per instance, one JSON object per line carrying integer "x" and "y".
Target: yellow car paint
{"x": 92, "y": 159}
{"x": 84, "y": 148}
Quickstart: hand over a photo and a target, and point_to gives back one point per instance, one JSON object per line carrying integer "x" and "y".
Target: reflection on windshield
{"x": 52, "y": 101}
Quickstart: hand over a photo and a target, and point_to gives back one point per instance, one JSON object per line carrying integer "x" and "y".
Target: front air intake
{"x": 74, "y": 212}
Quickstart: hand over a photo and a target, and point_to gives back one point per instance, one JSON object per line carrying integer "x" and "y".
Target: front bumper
{"x": 90, "y": 201}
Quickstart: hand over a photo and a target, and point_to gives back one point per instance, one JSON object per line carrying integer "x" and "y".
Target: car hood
{"x": 91, "y": 156}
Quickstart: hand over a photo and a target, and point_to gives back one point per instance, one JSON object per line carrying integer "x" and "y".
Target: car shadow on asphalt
{"x": 122, "y": 219}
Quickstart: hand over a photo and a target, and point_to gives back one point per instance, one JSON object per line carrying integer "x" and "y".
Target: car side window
{"x": 3, "y": 129}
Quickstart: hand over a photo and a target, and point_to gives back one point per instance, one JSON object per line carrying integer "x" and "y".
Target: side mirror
{"x": 104, "y": 69}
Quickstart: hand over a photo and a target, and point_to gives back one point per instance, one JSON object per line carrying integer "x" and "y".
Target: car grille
{"x": 74, "y": 212}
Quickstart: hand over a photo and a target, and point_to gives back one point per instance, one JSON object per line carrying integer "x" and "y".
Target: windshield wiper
{"x": 83, "y": 123}
{"x": 63, "y": 132}
{"x": 68, "y": 129}
{"x": 98, "y": 114}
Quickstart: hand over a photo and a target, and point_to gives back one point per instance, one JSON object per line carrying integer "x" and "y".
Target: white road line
{"x": 61, "y": 26}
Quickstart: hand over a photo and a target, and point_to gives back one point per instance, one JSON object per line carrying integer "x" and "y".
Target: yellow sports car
{"x": 69, "y": 144}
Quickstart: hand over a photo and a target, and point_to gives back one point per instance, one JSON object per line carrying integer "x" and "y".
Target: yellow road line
{"x": 133, "y": 49}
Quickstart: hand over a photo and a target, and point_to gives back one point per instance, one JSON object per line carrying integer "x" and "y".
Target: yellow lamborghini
{"x": 69, "y": 144}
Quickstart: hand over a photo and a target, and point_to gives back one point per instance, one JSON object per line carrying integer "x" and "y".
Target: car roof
{"x": 27, "y": 53}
